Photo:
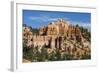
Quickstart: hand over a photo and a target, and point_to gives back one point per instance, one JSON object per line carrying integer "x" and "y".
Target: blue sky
{"x": 36, "y": 18}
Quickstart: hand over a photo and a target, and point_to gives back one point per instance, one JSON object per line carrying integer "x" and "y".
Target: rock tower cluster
{"x": 58, "y": 35}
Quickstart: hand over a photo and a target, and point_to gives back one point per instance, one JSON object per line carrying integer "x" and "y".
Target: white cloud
{"x": 80, "y": 23}
{"x": 36, "y": 18}
{"x": 46, "y": 18}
